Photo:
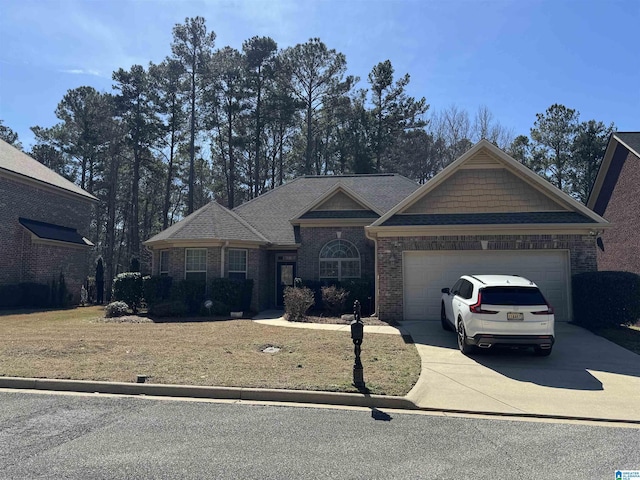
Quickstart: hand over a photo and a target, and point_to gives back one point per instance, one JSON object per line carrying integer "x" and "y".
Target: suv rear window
{"x": 512, "y": 296}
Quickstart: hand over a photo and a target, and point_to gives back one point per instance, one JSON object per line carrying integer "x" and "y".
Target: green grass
{"x": 78, "y": 344}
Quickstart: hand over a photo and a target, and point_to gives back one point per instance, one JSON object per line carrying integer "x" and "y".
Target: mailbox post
{"x": 357, "y": 334}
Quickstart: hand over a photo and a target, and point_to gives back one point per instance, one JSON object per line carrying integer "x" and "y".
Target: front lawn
{"x": 79, "y": 344}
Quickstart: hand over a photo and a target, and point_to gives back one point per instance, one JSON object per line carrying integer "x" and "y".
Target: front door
{"x": 286, "y": 272}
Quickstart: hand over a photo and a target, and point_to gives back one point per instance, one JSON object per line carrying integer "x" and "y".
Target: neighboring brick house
{"x": 616, "y": 196}
{"x": 485, "y": 213}
{"x": 43, "y": 218}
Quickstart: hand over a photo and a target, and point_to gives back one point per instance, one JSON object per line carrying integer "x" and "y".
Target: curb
{"x": 268, "y": 395}
{"x": 224, "y": 393}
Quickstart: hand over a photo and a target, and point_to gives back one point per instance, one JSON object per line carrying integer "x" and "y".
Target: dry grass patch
{"x": 76, "y": 344}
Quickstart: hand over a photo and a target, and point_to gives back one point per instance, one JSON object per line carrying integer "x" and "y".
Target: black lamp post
{"x": 357, "y": 334}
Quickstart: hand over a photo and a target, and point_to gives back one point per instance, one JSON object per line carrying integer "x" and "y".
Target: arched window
{"x": 339, "y": 259}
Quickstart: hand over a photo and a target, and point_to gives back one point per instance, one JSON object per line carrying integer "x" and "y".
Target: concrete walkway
{"x": 274, "y": 317}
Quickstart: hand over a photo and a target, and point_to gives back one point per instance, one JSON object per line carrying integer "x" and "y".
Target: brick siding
{"x": 622, "y": 241}
{"x": 314, "y": 238}
{"x": 21, "y": 259}
{"x": 390, "y": 276}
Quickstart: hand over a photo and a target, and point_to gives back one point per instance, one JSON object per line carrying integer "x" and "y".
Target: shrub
{"x": 168, "y": 309}
{"x": 297, "y": 302}
{"x": 602, "y": 299}
{"x": 357, "y": 289}
{"x": 116, "y": 309}
{"x": 234, "y": 293}
{"x": 127, "y": 287}
{"x": 10, "y": 296}
{"x": 34, "y": 294}
{"x": 156, "y": 289}
{"x": 191, "y": 293}
{"x": 334, "y": 299}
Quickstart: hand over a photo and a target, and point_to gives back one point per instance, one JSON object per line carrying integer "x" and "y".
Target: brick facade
{"x": 314, "y": 238}
{"x": 622, "y": 240}
{"x": 390, "y": 276}
{"x": 257, "y": 269}
{"x": 22, "y": 259}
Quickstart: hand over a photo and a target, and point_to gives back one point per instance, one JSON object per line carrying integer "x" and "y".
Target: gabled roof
{"x": 619, "y": 146}
{"x": 15, "y": 163}
{"x": 486, "y": 155}
{"x": 271, "y": 212}
{"x": 213, "y": 221}
{"x": 358, "y": 207}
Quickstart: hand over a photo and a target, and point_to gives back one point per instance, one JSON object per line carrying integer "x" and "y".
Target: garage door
{"x": 425, "y": 273}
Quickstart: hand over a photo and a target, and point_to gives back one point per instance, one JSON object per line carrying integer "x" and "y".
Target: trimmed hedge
{"x": 190, "y": 292}
{"x": 236, "y": 294}
{"x": 603, "y": 299}
{"x": 156, "y": 290}
{"x": 37, "y": 295}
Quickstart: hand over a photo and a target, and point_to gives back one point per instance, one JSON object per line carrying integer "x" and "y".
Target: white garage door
{"x": 425, "y": 273}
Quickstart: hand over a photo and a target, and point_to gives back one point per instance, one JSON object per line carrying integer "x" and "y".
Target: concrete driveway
{"x": 585, "y": 376}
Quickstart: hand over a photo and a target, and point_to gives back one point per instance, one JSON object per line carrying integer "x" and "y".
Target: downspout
{"x": 226, "y": 244}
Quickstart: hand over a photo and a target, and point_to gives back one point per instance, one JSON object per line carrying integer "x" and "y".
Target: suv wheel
{"x": 462, "y": 338}
{"x": 443, "y": 319}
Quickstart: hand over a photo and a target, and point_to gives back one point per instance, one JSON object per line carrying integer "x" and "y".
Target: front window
{"x": 237, "y": 264}
{"x": 164, "y": 262}
{"x": 339, "y": 259}
{"x": 196, "y": 264}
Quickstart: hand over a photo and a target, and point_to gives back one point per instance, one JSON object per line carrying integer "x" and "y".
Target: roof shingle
{"x": 17, "y": 162}
{"x": 271, "y": 212}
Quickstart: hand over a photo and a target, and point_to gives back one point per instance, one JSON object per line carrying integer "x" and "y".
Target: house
{"x": 485, "y": 213}
{"x": 43, "y": 218}
{"x": 616, "y": 197}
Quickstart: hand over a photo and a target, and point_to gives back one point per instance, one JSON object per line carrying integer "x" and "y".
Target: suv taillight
{"x": 477, "y": 307}
{"x": 548, "y": 311}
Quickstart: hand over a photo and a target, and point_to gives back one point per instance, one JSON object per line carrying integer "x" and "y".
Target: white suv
{"x": 487, "y": 310}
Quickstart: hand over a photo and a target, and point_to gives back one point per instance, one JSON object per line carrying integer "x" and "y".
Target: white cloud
{"x": 83, "y": 71}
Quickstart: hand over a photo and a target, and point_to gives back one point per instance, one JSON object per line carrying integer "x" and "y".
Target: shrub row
{"x": 602, "y": 299}
{"x": 362, "y": 290}
{"x": 164, "y": 297}
{"x": 37, "y": 295}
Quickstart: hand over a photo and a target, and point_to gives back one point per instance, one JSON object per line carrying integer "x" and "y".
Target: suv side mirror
{"x": 445, "y": 290}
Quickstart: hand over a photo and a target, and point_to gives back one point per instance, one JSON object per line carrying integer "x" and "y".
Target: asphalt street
{"x": 108, "y": 437}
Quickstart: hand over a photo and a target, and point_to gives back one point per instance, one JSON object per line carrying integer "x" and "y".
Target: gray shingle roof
{"x": 632, "y": 139}
{"x": 17, "y": 162}
{"x": 213, "y": 221}
{"x": 488, "y": 218}
{"x": 270, "y": 213}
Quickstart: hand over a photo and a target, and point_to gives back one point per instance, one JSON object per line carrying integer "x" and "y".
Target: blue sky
{"x": 515, "y": 57}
